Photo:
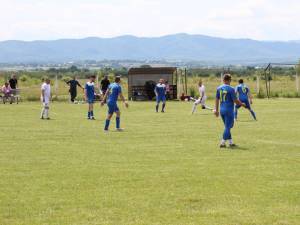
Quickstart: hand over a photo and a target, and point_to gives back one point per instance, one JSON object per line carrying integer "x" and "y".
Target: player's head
{"x": 47, "y": 80}
{"x": 118, "y": 79}
{"x": 241, "y": 81}
{"x": 161, "y": 81}
{"x": 105, "y": 77}
{"x": 200, "y": 83}
{"x": 227, "y": 78}
{"x": 13, "y": 76}
{"x": 92, "y": 78}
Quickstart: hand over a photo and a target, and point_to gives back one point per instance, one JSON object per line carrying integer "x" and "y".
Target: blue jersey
{"x": 226, "y": 95}
{"x": 242, "y": 91}
{"x": 90, "y": 90}
{"x": 160, "y": 90}
{"x": 115, "y": 89}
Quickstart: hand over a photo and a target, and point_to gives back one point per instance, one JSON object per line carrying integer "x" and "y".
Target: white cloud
{"x": 53, "y": 19}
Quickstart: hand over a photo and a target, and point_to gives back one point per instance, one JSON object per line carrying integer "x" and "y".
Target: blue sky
{"x": 53, "y": 19}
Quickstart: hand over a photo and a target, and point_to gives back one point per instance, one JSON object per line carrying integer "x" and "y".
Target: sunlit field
{"x": 163, "y": 169}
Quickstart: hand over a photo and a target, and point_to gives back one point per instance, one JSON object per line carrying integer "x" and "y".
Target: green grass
{"x": 164, "y": 169}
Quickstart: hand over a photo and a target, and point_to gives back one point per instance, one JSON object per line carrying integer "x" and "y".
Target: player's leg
{"x": 118, "y": 119}
{"x": 203, "y": 104}
{"x": 47, "y": 107}
{"x": 229, "y": 125}
{"x": 92, "y": 111}
{"x": 197, "y": 102}
{"x": 111, "y": 110}
{"x": 248, "y": 106}
{"x": 164, "y": 104}
{"x": 157, "y": 103}
{"x": 43, "y": 111}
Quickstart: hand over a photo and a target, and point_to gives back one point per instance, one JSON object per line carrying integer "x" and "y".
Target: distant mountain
{"x": 180, "y": 47}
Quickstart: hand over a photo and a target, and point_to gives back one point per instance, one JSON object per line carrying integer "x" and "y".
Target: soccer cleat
{"x": 42, "y": 118}
{"x": 120, "y": 129}
{"x": 222, "y": 145}
{"x": 93, "y": 118}
{"x": 233, "y": 146}
{"x": 105, "y": 131}
{"x": 162, "y": 111}
{"x": 48, "y": 118}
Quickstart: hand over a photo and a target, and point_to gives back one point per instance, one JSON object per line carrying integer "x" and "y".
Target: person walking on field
{"x": 104, "y": 84}
{"x": 73, "y": 88}
{"x": 13, "y": 82}
{"x": 45, "y": 98}
{"x": 202, "y": 99}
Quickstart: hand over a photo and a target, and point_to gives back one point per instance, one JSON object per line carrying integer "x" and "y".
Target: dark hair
{"x": 241, "y": 81}
{"x": 117, "y": 79}
{"x": 93, "y": 76}
{"x": 227, "y": 77}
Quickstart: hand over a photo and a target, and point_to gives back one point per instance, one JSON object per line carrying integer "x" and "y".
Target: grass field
{"x": 164, "y": 169}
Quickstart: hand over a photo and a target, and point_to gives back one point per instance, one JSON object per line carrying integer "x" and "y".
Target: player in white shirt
{"x": 45, "y": 98}
{"x": 202, "y": 99}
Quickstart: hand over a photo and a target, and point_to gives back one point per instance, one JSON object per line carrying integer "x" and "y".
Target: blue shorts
{"x": 247, "y": 103}
{"x": 228, "y": 118}
{"x": 112, "y": 107}
{"x": 161, "y": 99}
{"x": 90, "y": 101}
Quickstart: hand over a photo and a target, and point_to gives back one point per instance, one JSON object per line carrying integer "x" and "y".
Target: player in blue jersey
{"x": 113, "y": 92}
{"x": 225, "y": 99}
{"x": 244, "y": 95}
{"x": 160, "y": 92}
{"x": 89, "y": 91}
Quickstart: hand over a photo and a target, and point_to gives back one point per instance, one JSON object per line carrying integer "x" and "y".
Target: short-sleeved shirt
{"x": 226, "y": 95}
{"x": 242, "y": 91}
{"x": 105, "y": 84}
{"x": 47, "y": 90}
{"x": 73, "y": 85}
{"x": 115, "y": 89}
{"x": 90, "y": 90}
{"x": 13, "y": 83}
{"x": 160, "y": 89}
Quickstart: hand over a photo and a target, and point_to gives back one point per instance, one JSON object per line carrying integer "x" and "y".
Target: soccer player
{"x": 225, "y": 99}
{"x": 244, "y": 95}
{"x": 113, "y": 92}
{"x": 45, "y": 98}
{"x": 160, "y": 92}
{"x": 73, "y": 88}
{"x": 202, "y": 98}
{"x": 89, "y": 92}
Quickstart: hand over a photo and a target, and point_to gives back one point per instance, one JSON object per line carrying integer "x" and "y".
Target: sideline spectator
{"x": 104, "y": 84}
{"x": 7, "y": 91}
{"x": 73, "y": 88}
{"x": 167, "y": 90}
{"x": 13, "y": 82}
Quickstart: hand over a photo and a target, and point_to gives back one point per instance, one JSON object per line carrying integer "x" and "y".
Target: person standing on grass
{"x": 104, "y": 84}
{"x": 73, "y": 88}
{"x": 160, "y": 92}
{"x": 89, "y": 92}
{"x": 13, "y": 82}
{"x": 113, "y": 92}
{"x": 244, "y": 95}
{"x": 202, "y": 99}
{"x": 45, "y": 98}
{"x": 225, "y": 99}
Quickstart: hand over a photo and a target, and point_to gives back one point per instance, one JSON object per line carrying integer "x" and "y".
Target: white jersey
{"x": 47, "y": 92}
{"x": 202, "y": 91}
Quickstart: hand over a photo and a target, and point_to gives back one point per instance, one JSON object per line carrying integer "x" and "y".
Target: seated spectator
{"x": 7, "y": 92}
{"x": 184, "y": 97}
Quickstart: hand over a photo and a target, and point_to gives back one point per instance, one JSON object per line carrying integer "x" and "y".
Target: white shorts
{"x": 201, "y": 101}
{"x": 46, "y": 103}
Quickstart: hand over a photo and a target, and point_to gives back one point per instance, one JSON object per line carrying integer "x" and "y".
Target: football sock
{"x": 194, "y": 108}
{"x": 223, "y": 142}
{"x": 118, "y": 122}
{"x": 89, "y": 114}
{"x": 92, "y": 113}
{"x": 230, "y": 141}
{"x": 106, "y": 124}
{"x": 43, "y": 112}
{"x": 253, "y": 114}
{"x": 157, "y": 107}
{"x": 163, "y": 107}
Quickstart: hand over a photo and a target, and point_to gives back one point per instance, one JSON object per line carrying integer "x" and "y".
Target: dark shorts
{"x": 112, "y": 108}
{"x": 90, "y": 101}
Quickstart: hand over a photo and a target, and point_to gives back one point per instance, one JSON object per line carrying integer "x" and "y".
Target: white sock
{"x": 194, "y": 108}
{"x": 230, "y": 141}
{"x": 43, "y": 112}
{"x": 46, "y": 113}
{"x": 223, "y": 142}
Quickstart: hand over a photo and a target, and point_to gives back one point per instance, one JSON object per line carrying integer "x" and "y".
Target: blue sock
{"x": 253, "y": 114}
{"x": 106, "y": 124}
{"x": 92, "y": 113}
{"x": 89, "y": 114}
{"x": 235, "y": 114}
{"x": 118, "y": 122}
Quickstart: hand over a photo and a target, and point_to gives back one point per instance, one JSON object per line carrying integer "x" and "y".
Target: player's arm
{"x": 85, "y": 94}
{"x": 217, "y": 104}
{"x": 105, "y": 97}
{"x": 79, "y": 85}
{"x": 43, "y": 94}
{"x": 155, "y": 91}
{"x": 124, "y": 100}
